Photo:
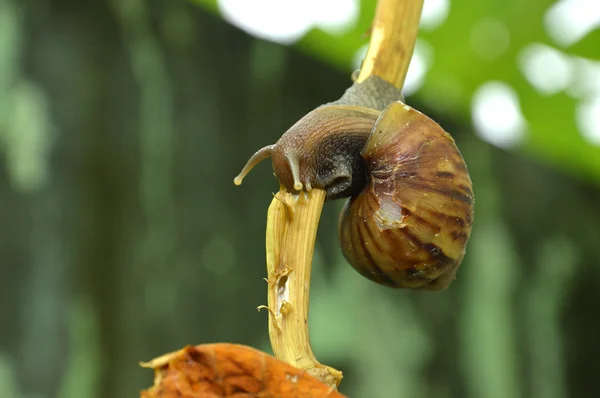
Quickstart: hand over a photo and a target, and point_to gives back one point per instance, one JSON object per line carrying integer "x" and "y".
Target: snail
{"x": 410, "y": 208}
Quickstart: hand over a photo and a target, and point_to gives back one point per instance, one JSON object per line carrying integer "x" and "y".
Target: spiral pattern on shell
{"x": 410, "y": 224}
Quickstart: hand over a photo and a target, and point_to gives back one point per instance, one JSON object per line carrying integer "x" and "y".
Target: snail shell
{"x": 410, "y": 211}
{"x": 410, "y": 224}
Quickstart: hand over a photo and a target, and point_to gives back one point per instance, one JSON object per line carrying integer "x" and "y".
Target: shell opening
{"x": 258, "y": 157}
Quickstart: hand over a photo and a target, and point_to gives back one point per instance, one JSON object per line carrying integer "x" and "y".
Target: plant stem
{"x": 293, "y": 219}
{"x": 393, "y": 37}
{"x": 291, "y": 231}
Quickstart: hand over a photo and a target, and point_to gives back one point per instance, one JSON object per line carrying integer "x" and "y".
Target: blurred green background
{"x": 123, "y": 123}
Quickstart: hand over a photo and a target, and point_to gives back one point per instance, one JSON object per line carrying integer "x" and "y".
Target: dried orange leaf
{"x": 230, "y": 371}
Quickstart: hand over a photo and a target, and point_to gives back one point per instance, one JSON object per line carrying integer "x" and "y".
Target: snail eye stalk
{"x": 258, "y": 157}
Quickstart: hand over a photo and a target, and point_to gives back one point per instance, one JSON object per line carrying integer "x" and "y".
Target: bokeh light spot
{"x": 419, "y": 65}
{"x": 588, "y": 120}
{"x": 549, "y": 71}
{"x": 568, "y": 21}
{"x": 336, "y": 16}
{"x": 286, "y": 21}
{"x": 434, "y": 13}
{"x": 586, "y": 78}
{"x": 359, "y": 56}
{"x": 497, "y": 115}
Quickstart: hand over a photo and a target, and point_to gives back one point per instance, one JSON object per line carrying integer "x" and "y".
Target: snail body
{"x": 410, "y": 208}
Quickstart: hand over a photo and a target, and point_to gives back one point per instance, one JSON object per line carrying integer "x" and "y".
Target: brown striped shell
{"x": 410, "y": 224}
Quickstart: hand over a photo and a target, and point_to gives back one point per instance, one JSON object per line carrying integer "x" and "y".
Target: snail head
{"x": 322, "y": 150}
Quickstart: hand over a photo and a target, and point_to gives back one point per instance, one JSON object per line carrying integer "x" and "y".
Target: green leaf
{"x": 479, "y": 42}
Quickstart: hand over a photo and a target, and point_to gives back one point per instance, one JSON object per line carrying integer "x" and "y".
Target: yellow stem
{"x": 293, "y": 219}
{"x": 393, "y": 37}
{"x": 292, "y": 223}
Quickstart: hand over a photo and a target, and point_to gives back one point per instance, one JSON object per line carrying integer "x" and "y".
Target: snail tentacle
{"x": 295, "y": 169}
{"x": 258, "y": 157}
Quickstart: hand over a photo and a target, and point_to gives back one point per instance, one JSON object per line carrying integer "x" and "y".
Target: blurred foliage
{"x": 122, "y": 125}
{"x": 479, "y": 42}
